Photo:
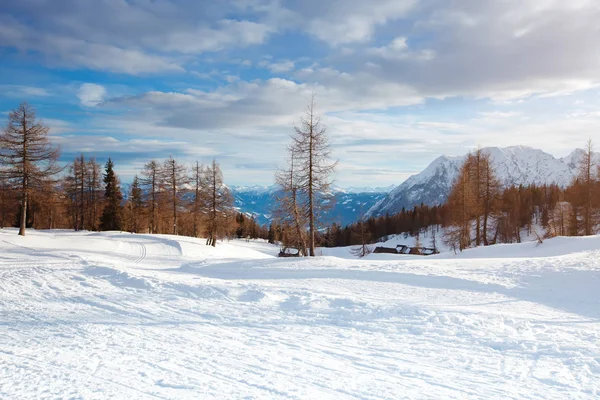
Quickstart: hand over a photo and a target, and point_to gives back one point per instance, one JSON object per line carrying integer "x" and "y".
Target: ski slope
{"x": 117, "y": 315}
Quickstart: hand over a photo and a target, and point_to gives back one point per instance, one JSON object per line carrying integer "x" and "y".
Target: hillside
{"x": 115, "y": 315}
{"x": 516, "y": 165}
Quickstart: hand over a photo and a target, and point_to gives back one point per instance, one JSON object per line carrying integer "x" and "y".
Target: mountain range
{"x": 513, "y": 165}
{"x": 349, "y": 206}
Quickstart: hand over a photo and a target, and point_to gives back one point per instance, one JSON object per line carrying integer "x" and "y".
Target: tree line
{"x": 167, "y": 196}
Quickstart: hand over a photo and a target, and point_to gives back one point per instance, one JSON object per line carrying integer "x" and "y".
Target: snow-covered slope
{"x": 124, "y": 316}
{"x": 513, "y": 165}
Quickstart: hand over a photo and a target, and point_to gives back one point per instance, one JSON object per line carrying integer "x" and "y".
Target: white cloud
{"x": 273, "y": 102}
{"x": 91, "y": 94}
{"x": 340, "y": 22}
{"x": 283, "y": 66}
{"x": 399, "y": 50}
{"x": 23, "y": 91}
{"x": 492, "y": 68}
{"x": 125, "y": 37}
{"x": 72, "y": 51}
{"x": 199, "y": 40}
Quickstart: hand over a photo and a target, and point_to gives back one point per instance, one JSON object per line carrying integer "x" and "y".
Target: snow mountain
{"x": 515, "y": 165}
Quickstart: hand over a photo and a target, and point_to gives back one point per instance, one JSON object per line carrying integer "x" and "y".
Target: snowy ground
{"x": 115, "y": 315}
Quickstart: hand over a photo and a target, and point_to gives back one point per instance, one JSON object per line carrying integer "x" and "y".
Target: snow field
{"x": 115, "y": 315}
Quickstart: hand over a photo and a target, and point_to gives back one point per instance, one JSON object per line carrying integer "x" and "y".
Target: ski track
{"x": 140, "y": 316}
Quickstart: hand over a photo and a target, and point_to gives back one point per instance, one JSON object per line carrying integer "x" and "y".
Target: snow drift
{"x": 114, "y": 315}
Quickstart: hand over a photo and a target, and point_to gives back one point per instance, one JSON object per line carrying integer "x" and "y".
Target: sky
{"x": 397, "y": 82}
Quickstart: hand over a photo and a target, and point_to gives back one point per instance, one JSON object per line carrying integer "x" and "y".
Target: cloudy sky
{"x": 398, "y": 82}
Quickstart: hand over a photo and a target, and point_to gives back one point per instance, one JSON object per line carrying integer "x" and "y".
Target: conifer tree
{"x": 27, "y": 159}
{"x": 199, "y": 196}
{"x": 174, "y": 177}
{"x": 93, "y": 188}
{"x": 361, "y": 234}
{"x": 488, "y": 193}
{"x": 586, "y": 190}
{"x": 218, "y": 201}
{"x": 272, "y": 234}
{"x": 460, "y": 203}
{"x": 6, "y": 202}
{"x": 310, "y": 147}
{"x": 135, "y": 205}
{"x": 151, "y": 181}
{"x": 75, "y": 186}
{"x": 288, "y": 210}
{"x": 111, "y": 219}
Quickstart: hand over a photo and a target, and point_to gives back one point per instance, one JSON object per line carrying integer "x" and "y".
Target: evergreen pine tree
{"x": 111, "y": 215}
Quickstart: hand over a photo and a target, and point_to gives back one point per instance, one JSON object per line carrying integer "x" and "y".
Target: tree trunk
{"x": 153, "y": 229}
{"x": 24, "y": 198}
{"x": 23, "y": 222}
{"x": 486, "y": 208}
{"x": 214, "y": 208}
{"x": 311, "y": 211}
{"x": 174, "y": 213}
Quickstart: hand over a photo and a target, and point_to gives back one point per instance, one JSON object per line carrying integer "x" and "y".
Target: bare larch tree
{"x": 150, "y": 182}
{"x": 26, "y": 155}
{"x": 199, "y": 195}
{"x": 288, "y": 206}
{"x": 174, "y": 177}
{"x": 75, "y": 185}
{"x": 585, "y": 185}
{"x": 310, "y": 146}
{"x": 93, "y": 188}
{"x": 219, "y": 201}
{"x": 486, "y": 192}
{"x": 461, "y": 203}
{"x": 135, "y": 206}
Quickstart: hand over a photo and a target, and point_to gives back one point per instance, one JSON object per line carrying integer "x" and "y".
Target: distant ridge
{"x": 514, "y": 165}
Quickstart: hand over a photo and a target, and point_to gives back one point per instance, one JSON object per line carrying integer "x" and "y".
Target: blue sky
{"x": 398, "y": 82}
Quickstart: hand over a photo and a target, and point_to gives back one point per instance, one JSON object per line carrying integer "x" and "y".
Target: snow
{"x": 514, "y": 165}
{"x": 364, "y": 189}
{"x": 117, "y": 315}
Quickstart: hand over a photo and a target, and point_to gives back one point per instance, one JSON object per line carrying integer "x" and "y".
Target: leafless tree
{"x": 151, "y": 182}
{"x": 486, "y": 191}
{"x": 361, "y": 233}
{"x": 460, "y": 210}
{"x": 199, "y": 195}
{"x": 310, "y": 146}
{"x": 6, "y": 202}
{"x": 26, "y": 155}
{"x": 134, "y": 209}
{"x": 75, "y": 186}
{"x": 434, "y": 244}
{"x": 174, "y": 176}
{"x": 83, "y": 186}
{"x": 94, "y": 190}
{"x": 586, "y": 185}
{"x": 288, "y": 206}
{"x": 218, "y": 201}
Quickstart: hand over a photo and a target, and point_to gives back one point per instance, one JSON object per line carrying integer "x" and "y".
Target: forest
{"x": 167, "y": 197}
